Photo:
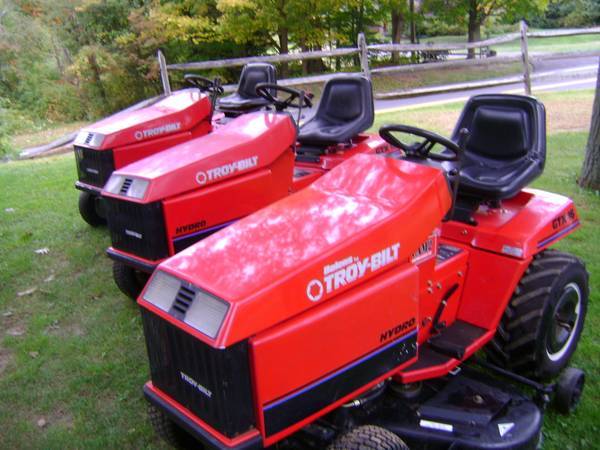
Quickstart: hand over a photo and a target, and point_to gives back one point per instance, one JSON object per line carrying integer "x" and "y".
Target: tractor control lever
{"x": 463, "y": 136}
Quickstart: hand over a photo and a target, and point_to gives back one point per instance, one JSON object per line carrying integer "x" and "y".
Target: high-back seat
{"x": 506, "y": 147}
{"x": 245, "y": 98}
{"x": 345, "y": 110}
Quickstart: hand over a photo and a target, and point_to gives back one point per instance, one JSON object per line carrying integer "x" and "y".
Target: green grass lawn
{"x": 72, "y": 351}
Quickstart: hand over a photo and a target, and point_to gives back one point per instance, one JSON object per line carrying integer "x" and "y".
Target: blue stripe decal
{"x": 340, "y": 371}
{"x": 559, "y": 234}
{"x": 205, "y": 230}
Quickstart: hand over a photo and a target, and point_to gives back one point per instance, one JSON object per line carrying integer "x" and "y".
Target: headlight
{"x": 206, "y": 314}
{"x": 127, "y": 186}
{"x": 188, "y": 303}
{"x": 162, "y": 290}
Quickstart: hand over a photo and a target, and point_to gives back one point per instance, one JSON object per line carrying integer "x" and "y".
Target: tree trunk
{"x": 590, "y": 171}
{"x": 474, "y": 26}
{"x": 97, "y": 80}
{"x": 397, "y": 28}
{"x": 413, "y": 25}
{"x": 283, "y": 49}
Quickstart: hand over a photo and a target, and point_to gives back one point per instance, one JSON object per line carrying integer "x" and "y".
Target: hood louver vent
{"x": 126, "y": 186}
{"x": 184, "y": 298}
{"x": 89, "y": 138}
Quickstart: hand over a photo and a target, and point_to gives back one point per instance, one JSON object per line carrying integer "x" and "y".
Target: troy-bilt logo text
{"x": 227, "y": 169}
{"x": 397, "y": 330}
{"x": 167, "y": 128}
{"x": 189, "y": 380}
{"x": 349, "y": 270}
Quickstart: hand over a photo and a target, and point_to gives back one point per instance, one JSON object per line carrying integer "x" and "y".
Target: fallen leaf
{"x": 34, "y": 354}
{"x": 42, "y": 251}
{"x": 16, "y": 331}
{"x": 49, "y": 278}
{"x": 26, "y": 292}
{"x": 41, "y": 423}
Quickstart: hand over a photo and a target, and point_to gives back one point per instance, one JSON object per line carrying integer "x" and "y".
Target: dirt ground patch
{"x": 569, "y": 114}
{"x": 65, "y": 330}
{"x": 6, "y": 358}
{"x": 563, "y": 113}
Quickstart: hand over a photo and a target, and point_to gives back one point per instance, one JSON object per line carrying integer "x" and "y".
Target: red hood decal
{"x": 364, "y": 217}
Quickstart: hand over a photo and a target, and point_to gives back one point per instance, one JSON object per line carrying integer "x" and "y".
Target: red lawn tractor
{"x": 164, "y": 203}
{"x": 156, "y": 125}
{"x": 348, "y": 315}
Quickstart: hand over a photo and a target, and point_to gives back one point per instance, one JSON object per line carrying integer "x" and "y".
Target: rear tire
{"x": 169, "y": 431}
{"x": 368, "y": 437}
{"x": 542, "y": 323}
{"x": 89, "y": 209}
{"x": 129, "y": 280}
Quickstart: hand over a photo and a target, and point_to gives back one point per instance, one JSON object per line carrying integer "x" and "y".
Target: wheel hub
{"x": 565, "y": 318}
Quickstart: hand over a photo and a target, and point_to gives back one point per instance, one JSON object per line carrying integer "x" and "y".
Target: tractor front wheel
{"x": 368, "y": 437}
{"x": 169, "y": 431}
{"x": 568, "y": 390}
{"x": 129, "y": 280}
{"x": 89, "y": 209}
{"x": 543, "y": 321}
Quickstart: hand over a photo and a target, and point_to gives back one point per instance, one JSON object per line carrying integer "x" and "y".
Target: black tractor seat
{"x": 245, "y": 98}
{"x": 506, "y": 147}
{"x": 344, "y": 111}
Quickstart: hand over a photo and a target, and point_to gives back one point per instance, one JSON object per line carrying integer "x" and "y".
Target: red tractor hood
{"x": 361, "y": 219}
{"x": 180, "y": 111}
{"x": 248, "y": 143}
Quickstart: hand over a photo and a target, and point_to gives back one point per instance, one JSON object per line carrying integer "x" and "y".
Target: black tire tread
{"x": 368, "y": 437}
{"x": 167, "y": 430}
{"x": 513, "y": 346}
{"x": 87, "y": 209}
{"x": 126, "y": 280}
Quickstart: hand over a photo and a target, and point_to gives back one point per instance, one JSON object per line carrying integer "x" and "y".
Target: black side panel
{"x": 212, "y": 383}
{"x": 94, "y": 166}
{"x": 137, "y": 228}
{"x": 290, "y": 410}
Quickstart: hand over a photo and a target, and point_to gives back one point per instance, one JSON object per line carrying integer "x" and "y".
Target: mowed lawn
{"x": 72, "y": 354}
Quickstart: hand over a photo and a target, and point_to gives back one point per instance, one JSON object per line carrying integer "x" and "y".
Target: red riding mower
{"x": 347, "y": 315}
{"x": 153, "y": 126}
{"x": 164, "y": 203}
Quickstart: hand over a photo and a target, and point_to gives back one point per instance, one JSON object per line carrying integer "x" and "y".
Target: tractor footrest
{"x": 454, "y": 340}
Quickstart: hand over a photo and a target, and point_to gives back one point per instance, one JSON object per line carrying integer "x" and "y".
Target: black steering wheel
{"x": 265, "y": 90}
{"x": 421, "y": 150}
{"x": 203, "y": 83}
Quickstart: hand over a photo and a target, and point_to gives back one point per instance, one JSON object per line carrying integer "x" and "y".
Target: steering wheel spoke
{"x": 204, "y": 84}
{"x": 423, "y": 149}
{"x": 294, "y": 98}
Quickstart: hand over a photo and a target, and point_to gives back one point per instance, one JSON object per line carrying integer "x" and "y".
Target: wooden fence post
{"x": 525, "y": 58}
{"x": 164, "y": 74}
{"x": 363, "y": 55}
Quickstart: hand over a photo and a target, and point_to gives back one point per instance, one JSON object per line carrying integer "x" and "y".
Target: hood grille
{"x": 214, "y": 384}
{"x": 94, "y": 166}
{"x": 137, "y": 228}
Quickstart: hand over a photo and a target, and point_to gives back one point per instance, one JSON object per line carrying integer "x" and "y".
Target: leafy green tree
{"x": 474, "y": 13}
